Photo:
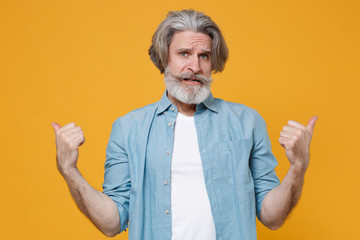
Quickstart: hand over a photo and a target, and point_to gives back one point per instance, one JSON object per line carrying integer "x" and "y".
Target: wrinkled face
{"x": 188, "y": 72}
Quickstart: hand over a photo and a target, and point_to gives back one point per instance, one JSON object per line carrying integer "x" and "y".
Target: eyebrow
{"x": 207, "y": 52}
{"x": 191, "y": 49}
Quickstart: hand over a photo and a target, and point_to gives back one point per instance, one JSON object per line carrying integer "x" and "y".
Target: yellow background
{"x": 87, "y": 62}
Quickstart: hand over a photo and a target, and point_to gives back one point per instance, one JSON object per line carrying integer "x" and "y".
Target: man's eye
{"x": 184, "y": 54}
{"x": 204, "y": 56}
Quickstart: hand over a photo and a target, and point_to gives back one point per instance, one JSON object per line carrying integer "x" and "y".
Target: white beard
{"x": 189, "y": 94}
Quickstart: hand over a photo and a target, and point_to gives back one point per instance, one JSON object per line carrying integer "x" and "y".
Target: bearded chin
{"x": 188, "y": 94}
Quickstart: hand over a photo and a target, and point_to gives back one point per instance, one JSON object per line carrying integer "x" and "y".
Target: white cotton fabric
{"x": 190, "y": 206}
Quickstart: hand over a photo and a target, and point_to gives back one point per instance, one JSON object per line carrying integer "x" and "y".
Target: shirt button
{"x": 166, "y": 182}
{"x": 172, "y": 108}
{"x": 167, "y": 212}
{"x": 167, "y": 152}
{"x": 170, "y": 124}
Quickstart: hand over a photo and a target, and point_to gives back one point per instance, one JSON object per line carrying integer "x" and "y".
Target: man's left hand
{"x": 296, "y": 139}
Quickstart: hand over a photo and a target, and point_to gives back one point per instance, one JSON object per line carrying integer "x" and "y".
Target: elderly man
{"x": 189, "y": 166}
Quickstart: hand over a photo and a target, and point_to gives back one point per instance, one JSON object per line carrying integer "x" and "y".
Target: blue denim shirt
{"x": 237, "y": 162}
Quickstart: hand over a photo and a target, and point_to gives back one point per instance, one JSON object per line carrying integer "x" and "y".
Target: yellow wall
{"x": 87, "y": 62}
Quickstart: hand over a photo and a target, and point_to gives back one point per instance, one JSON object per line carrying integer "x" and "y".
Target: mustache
{"x": 198, "y": 77}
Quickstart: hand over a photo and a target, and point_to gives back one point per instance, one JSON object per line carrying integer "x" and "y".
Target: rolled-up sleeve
{"x": 262, "y": 163}
{"x": 117, "y": 182}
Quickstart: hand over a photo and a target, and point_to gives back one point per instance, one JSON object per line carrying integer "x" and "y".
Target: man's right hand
{"x": 68, "y": 139}
{"x": 97, "y": 206}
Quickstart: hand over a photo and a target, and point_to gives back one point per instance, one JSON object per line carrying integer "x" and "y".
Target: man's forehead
{"x": 188, "y": 40}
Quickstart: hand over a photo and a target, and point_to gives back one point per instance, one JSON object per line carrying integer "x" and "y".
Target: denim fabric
{"x": 237, "y": 162}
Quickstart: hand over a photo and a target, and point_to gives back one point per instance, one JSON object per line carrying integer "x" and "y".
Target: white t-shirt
{"x": 190, "y": 206}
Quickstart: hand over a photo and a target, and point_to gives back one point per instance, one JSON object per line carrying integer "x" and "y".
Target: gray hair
{"x": 191, "y": 20}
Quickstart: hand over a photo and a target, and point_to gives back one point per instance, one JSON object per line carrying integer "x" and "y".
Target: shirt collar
{"x": 210, "y": 103}
{"x": 165, "y": 103}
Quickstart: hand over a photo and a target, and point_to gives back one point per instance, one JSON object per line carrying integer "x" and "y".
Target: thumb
{"x": 311, "y": 124}
{"x": 56, "y": 126}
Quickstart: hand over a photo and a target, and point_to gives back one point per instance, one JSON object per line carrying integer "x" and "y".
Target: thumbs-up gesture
{"x": 296, "y": 139}
{"x": 68, "y": 139}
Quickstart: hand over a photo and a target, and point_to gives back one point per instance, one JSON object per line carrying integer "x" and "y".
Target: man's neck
{"x": 184, "y": 108}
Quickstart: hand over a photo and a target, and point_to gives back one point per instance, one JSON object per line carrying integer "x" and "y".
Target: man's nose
{"x": 194, "y": 65}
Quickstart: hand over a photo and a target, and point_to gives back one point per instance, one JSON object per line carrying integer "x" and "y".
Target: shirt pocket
{"x": 234, "y": 161}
